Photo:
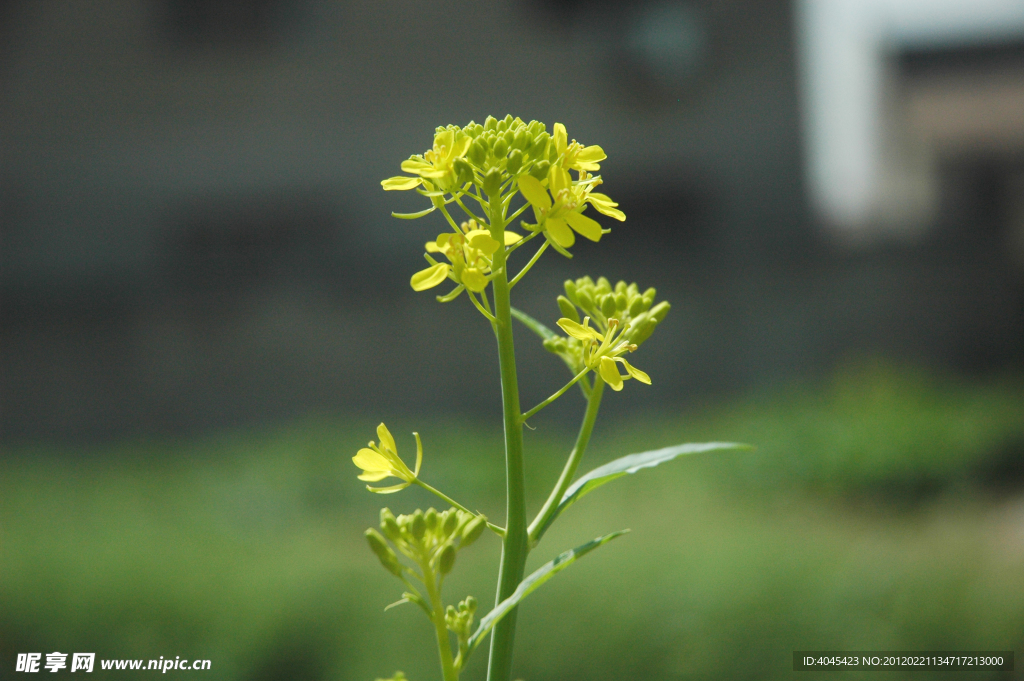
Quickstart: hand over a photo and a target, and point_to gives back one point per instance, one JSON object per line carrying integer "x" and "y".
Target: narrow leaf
{"x": 532, "y": 324}
{"x": 531, "y": 583}
{"x": 627, "y": 465}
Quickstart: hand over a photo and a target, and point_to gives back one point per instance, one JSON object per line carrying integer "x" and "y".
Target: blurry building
{"x": 192, "y": 231}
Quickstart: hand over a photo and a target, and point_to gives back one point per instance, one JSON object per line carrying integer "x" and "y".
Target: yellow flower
{"x": 556, "y": 215}
{"x": 573, "y": 155}
{"x": 382, "y": 461}
{"x": 602, "y": 351}
{"x": 469, "y": 253}
{"x": 436, "y": 165}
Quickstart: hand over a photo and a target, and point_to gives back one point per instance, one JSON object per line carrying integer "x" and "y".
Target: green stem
{"x": 556, "y": 395}
{"x": 416, "y": 481}
{"x": 514, "y": 546}
{"x": 444, "y": 646}
{"x": 526, "y": 268}
{"x": 539, "y": 523}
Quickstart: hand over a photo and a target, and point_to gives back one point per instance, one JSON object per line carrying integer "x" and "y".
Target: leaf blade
{"x": 627, "y": 465}
{"x": 533, "y": 582}
{"x": 533, "y": 325}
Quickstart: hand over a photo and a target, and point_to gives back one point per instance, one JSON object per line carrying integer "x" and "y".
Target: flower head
{"x": 557, "y": 213}
{"x": 437, "y": 166}
{"x": 382, "y": 461}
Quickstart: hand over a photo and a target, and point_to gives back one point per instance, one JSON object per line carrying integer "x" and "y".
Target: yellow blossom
{"x": 436, "y": 164}
{"x": 469, "y": 251}
{"x": 382, "y": 461}
{"x": 556, "y": 213}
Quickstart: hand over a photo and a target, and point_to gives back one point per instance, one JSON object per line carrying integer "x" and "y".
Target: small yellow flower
{"x": 556, "y": 215}
{"x": 575, "y": 156}
{"x": 382, "y": 461}
{"x": 436, "y": 165}
{"x": 602, "y": 351}
{"x": 469, "y": 253}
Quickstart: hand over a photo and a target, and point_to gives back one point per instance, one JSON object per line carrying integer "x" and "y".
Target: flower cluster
{"x": 499, "y": 157}
{"x": 623, "y": 319}
{"x": 429, "y": 539}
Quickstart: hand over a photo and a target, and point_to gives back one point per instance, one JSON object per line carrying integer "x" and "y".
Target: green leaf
{"x": 413, "y": 216}
{"x": 627, "y": 465}
{"x": 531, "y": 583}
{"x": 532, "y": 324}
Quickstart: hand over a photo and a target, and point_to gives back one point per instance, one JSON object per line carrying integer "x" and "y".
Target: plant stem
{"x": 444, "y": 646}
{"x": 538, "y": 526}
{"x": 514, "y": 546}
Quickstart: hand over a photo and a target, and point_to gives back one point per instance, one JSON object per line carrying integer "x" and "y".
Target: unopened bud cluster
{"x": 624, "y": 302}
{"x": 460, "y": 620}
{"x": 429, "y": 539}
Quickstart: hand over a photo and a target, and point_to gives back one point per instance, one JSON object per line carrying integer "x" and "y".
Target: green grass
{"x": 246, "y": 548}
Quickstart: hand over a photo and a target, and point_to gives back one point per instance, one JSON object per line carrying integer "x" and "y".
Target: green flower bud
{"x": 585, "y": 298}
{"x": 552, "y": 153}
{"x": 620, "y": 287}
{"x": 535, "y": 128}
{"x": 570, "y": 290}
{"x": 650, "y": 293}
{"x": 568, "y": 309}
{"x": 509, "y": 137}
{"x": 540, "y": 145}
{"x": 620, "y": 301}
{"x": 660, "y": 311}
{"x": 502, "y": 126}
{"x": 450, "y": 613}
{"x": 603, "y": 285}
{"x": 446, "y": 561}
{"x": 470, "y": 604}
{"x": 507, "y": 120}
{"x": 418, "y": 525}
{"x": 451, "y": 520}
{"x": 490, "y": 123}
{"x": 500, "y": 148}
{"x": 636, "y": 306}
{"x": 473, "y": 530}
{"x": 463, "y": 171}
{"x": 642, "y": 331}
{"x": 540, "y": 170}
{"x": 492, "y": 182}
{"x": 515, "y": 162}
{"x": 632, "y": 290}
{"x": 380, "y": 547}
{"x": 389, "y": 526}
{"x": 520, "y": 140}
{"x": 431, "y": 519}
{"x": 608, "y": 305}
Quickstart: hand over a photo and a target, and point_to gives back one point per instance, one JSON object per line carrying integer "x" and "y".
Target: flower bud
{"x": 636, "y": 306}
{"x": 620, "y": 301}
{"x": 520, "y": 140}
{"x": 570, "y": 290}
{"x": 470, "y": 604}
{"x": 502, "y": 125}
{"x": 507, "y": 120}
{"x": 490, "y": 123}
{"x": 585, "y": 298}
{"x": 603, "y": 285}
{"x": 389, "y": 526}
{"x": 540, "y": 170}
{"x": 515, "y": 162}
{"x": 509, "y": 136}
{"x": 430, "y": 517}
{"x": 620, "y": 287}
{"x": 660, "y": 311}
{"x": 473, "y": 530}
{"x": 451, "y": 520}
{"x": 607, "y": 304}
{"x": 535, "y": 128}
{"x": 446, "y": 561}
{"x": 539, "y": 149}
{"x": 418, "y": 525}
{"x": 500, "y": 148}
{"x": 492, "y": 182}
{"x": 568, "y": 309}
{"x": 380, "y": 547}
{"x": 463, "y": 171}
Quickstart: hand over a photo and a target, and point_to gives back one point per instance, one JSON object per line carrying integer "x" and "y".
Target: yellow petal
{"x": 419, "y": 453}
{"x": 372, "y": 462}
{"x": 560, "y": 232}
{"x": 558, "y": 179}
{"x": 598, "y": 197}
{"x": 606, "y": 209}
{"x": 430, "y": 277}
{"x": 375, "y": 477}
{"x": 474, "y": 280}
{"x": 444, "y": 139}
{"x": 584, "y": 225}
{"x": 634, "y": 372}
{"x": 432, "y": 247}
{"x": 512, "y": 238}
{"x": 583, "y": 333}
{"x": 386, "y": 441}
{"x": 400, "y": 183}
{"x": 534, "y": 192}
{"x": 610, "y": 373}
{"x": 481, "y": 240}
{"x": 561, "y": 138}
{"x": 460, "y": 148}
{"x": 417, "y": 167}
{"x": 591, "y": 154}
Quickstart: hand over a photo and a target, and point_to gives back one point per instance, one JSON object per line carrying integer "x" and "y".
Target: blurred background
{"x": 205, "y": 310}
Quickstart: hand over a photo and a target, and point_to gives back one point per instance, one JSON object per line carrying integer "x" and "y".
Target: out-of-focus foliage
{"x": 245, "y": 548}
